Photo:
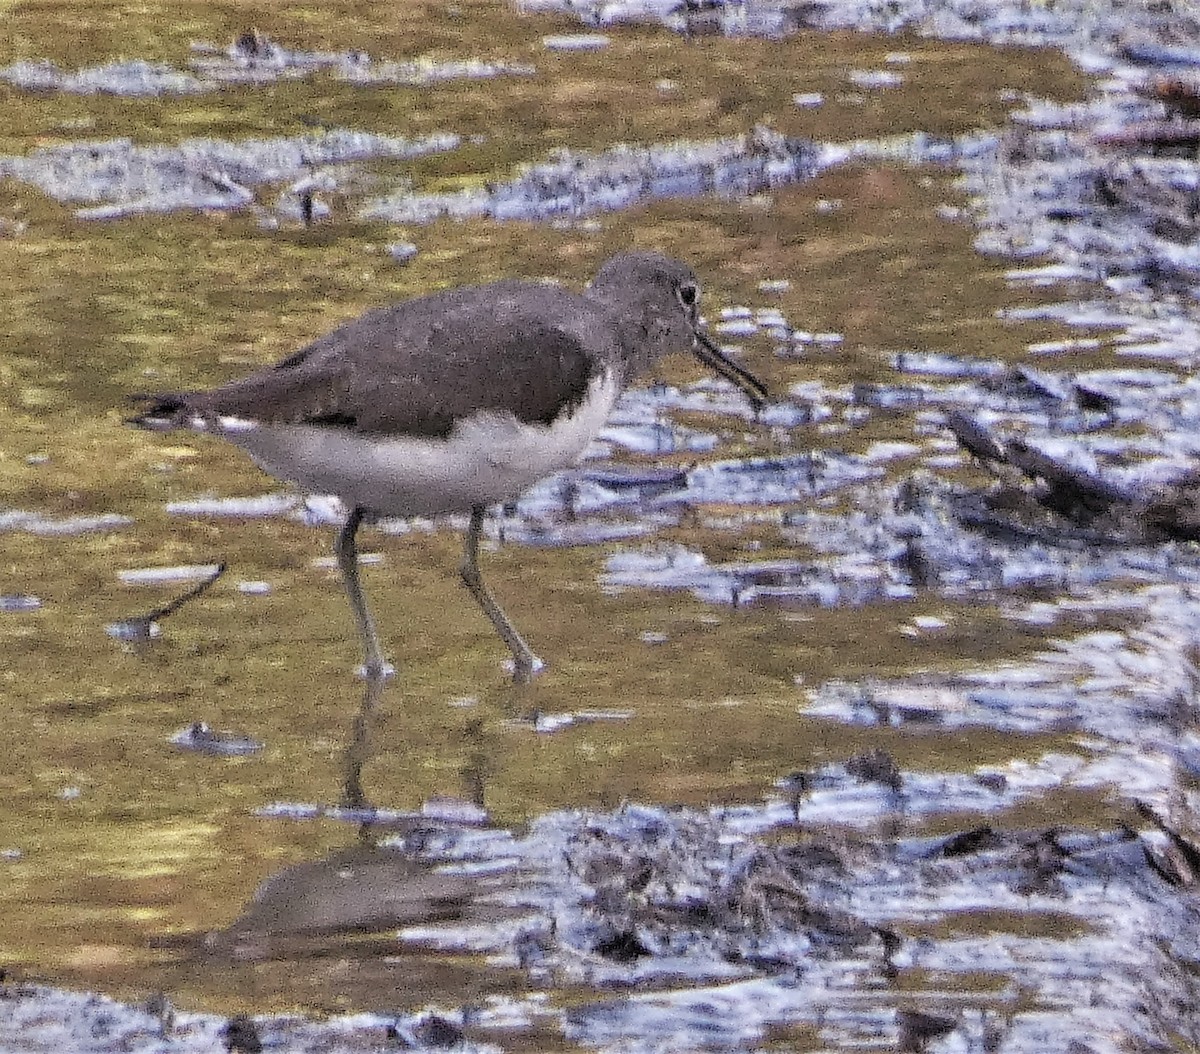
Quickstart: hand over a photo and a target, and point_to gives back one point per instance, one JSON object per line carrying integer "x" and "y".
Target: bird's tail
{"x": 161, "y": 413}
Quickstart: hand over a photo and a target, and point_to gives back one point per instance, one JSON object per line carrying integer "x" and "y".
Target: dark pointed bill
{"x": 715, "y": 359}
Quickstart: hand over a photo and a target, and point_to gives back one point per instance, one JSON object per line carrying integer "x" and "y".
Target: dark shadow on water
{"x": 348, "y": 912}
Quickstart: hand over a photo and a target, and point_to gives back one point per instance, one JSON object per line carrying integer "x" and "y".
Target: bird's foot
{"x": 525, "y": 667}
{"x": 375, "y": 670}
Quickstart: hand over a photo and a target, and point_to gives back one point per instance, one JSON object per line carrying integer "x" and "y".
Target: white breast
{"x": 487, "y": 458}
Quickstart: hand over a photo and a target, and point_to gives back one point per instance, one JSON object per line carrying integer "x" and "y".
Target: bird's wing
{"x": 417, "y": 366}
{"x": 527, "y": 355}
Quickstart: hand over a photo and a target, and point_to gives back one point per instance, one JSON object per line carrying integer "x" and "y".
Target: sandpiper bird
{"x": 453, "y": 402}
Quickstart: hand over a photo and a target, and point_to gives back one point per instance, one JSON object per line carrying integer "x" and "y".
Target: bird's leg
{"x": 525, "y": 663}
{"x": 375, "y": 665}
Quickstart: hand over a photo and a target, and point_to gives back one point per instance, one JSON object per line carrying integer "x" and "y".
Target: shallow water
{"x": 756, "y": 611}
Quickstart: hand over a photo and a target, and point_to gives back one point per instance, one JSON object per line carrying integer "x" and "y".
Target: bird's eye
{"x": 689, "y": 294}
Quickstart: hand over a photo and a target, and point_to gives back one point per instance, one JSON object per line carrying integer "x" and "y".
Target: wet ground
{"x": 869, "y": 719}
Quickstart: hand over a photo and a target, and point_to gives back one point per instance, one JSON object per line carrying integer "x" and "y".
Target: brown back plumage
{"x": 417, "y": 366}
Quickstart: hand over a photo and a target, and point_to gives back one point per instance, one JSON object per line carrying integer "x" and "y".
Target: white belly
{"x": 488, "y": 458}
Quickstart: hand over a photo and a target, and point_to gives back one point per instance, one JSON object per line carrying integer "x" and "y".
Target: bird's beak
{"x": 712, "y": 357}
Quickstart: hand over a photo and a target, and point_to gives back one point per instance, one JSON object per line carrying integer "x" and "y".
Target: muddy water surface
{"x": 790, "y": 633}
